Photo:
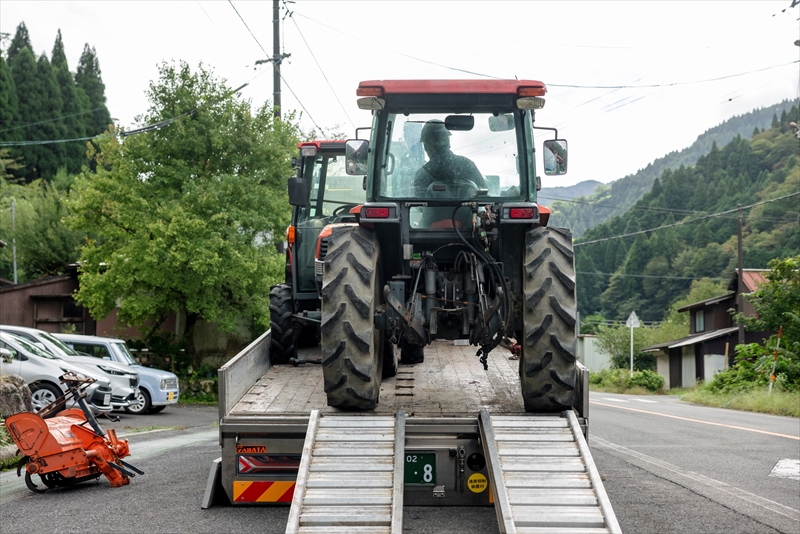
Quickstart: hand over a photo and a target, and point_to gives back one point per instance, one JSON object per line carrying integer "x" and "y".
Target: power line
{"x": 679, "y": 223}
{"x": 673, "y": 84}
{"x": 652, "y": 276}
{"x": 143, "y": 129}
{"x": 248, "y": 28}
{"x": 320, "y": 69}
{"x": 624, "y": 207}
{"x": 50, "y": 120}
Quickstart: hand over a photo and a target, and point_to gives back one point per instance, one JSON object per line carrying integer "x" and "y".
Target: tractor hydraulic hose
{"x": 489, "y": 261}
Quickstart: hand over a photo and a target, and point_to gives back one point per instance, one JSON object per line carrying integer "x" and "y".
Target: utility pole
{"x": 276, "y": 58}
{"x": 14, "y": 238}
{"x": 739, "y": 275}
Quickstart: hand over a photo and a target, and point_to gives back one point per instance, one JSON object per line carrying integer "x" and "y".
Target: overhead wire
{"x": 320, "y": 68}
{"x": 50, "y": 120}
{"x": 679, "y": 223}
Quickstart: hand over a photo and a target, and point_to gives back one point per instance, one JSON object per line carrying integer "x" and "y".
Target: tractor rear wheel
{"x": 410, "y": 354}
{"x": 352, "y": 348}
{"x": 280, "y": 322}
{"x": 390, "y": 357}
{"x": 547, "y": 364}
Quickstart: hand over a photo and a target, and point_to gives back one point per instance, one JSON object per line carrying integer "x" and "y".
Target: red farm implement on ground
{"x": 70, "y": 446}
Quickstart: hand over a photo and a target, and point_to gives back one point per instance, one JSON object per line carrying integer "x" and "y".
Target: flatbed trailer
{"x": 445, "y": 432}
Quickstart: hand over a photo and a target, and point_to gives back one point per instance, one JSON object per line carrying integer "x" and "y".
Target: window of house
{"x": 699, "y": 321}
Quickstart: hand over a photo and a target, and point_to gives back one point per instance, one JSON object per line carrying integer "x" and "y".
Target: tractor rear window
{"x": 444, "y": 156}
{"x": 332, "y": 191}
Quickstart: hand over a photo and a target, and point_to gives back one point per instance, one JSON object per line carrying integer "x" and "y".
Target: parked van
{"x": 157, "y": 389}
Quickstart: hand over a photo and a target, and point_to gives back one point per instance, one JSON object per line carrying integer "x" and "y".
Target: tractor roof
{"x": 336, "y": 145}
{"x": 509, "y": 87}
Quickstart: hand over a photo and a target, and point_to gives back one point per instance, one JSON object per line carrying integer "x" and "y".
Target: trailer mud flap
{"x": 279, "y": 491}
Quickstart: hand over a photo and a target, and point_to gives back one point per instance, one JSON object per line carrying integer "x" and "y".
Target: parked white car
{"x": 157, "y": 389}
{"x": 41, "y": 370}
{"x": 123, "y": 378}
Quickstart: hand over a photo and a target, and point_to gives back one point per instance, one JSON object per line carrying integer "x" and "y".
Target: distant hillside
{"x": 583, "y": 189}
{"x": 616, "y": 198}
{"x": 694, "y": 210}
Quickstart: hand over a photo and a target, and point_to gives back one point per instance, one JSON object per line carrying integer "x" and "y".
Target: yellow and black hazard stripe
{"x": 263, "y": 491}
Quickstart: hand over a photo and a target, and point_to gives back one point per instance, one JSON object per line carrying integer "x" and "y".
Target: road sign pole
{"x": 632, "y": 322}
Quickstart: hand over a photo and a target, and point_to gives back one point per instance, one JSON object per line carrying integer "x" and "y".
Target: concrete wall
{"x": 662, "y": 367}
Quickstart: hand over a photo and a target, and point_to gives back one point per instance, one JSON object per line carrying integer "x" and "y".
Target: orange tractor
{"x": 69, "y": 447}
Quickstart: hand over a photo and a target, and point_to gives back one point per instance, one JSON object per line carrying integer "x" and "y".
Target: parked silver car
{"x": 41, "y": 370}
{"x": 124, "y": 379}
{"x": 157, "y": 389}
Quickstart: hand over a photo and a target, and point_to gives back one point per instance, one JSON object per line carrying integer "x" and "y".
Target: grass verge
{"x": 751, "y": 400}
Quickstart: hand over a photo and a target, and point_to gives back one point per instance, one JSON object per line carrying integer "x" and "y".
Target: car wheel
{"x": 43, "y": 394}
{"x": 141, "y": 404}
{"x": 156, "y": 409}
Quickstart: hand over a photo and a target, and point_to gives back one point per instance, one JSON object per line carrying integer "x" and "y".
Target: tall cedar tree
{"x": 73, "y": 112}
{"x": 21, "y": 40}
{"x": 89, "y": 79}
{"x": 30, "y": 95}
{"x": 9, "y": 104}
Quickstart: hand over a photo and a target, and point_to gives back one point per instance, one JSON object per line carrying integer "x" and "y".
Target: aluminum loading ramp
{"x": 542, "y": 476}
{"x": 350, "y": 478}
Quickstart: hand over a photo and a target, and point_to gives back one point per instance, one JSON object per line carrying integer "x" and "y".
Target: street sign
{"x": 633, "y": 321}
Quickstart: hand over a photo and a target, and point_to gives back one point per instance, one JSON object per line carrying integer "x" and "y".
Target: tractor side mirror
{"x": 555, "y": 157}
{"x": 298, "y": 191}
{"x": 355, "y": 156}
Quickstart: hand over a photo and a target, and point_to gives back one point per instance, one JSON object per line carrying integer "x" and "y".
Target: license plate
{"x": 420, "y": 468}
{"x": 170, "y": 396}
{"x": 106, "y": 399}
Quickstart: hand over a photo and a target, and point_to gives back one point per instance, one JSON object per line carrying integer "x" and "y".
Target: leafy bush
{"x": 649, "y": 380}
{"x": 644, "y": 361}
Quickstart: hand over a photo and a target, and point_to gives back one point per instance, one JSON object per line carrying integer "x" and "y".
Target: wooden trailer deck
{"x": 450, "y": 382}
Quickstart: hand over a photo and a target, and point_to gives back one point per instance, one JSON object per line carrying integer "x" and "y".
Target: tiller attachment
{"x": 62, "y": 450}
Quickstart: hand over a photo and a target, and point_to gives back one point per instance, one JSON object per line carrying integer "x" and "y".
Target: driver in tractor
{"x": 443, "y": 165}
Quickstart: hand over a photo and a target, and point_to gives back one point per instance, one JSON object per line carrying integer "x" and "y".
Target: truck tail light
{"x": 521, "y": 213}
{"x": 377, "y": 213}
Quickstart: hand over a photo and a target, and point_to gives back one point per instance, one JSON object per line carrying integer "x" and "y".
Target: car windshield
{"x": 29, "y": 347}
{"x": 124, "y": 353}
{"x": 331, "y": 189}
{"x": 66, "y": 349}
{"x": 447, "y": 157}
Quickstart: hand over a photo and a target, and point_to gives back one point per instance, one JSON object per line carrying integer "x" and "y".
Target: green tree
{"x": 777, "y": 302}
{"x": 44, "y": 245}
{"x": 89, "y": 79}
{"x": 74, "y": 110}
{"x": 9, "y": 104}
{"x": 21, "y": 40}
{"x": 188, "y": 213}
{"x": 616, "y": 341}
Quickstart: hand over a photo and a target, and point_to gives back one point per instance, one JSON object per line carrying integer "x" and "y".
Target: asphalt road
{"x": 668, "y": 467}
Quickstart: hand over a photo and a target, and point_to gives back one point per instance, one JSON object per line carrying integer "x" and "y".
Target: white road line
{"x": 645, "y": 400}
{"x": 772, "y": 506}
{"x": 614, "y": 400}
{"x": 786, "y": 468}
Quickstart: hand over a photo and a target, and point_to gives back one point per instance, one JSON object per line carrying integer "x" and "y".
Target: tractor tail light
{"x": 377, "y": 213}
{"x": 290, "y": 235}
{"x": 521, "y": 213}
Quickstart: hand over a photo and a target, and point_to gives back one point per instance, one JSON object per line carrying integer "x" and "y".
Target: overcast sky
{"x": 650, "y": 76}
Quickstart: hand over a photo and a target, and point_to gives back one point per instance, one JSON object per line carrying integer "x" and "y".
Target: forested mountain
{"x": 647, "y": 271}
{"x": 42, "y": 101}
{"x": 583, "y": 189}
{"x": 616, "y": 198}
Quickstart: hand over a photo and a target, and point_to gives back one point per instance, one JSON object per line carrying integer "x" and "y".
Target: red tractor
{"x": 451, "y": 242}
